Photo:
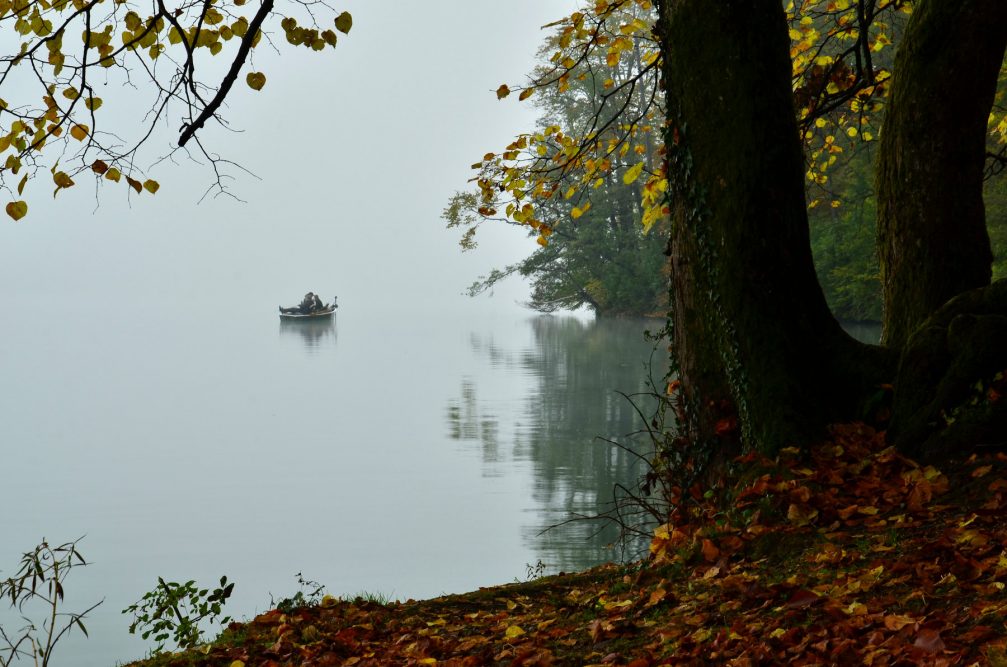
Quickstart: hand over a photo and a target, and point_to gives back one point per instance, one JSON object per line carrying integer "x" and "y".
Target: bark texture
{"x": 750, "y": 321}
{"x": 932, "y": 238}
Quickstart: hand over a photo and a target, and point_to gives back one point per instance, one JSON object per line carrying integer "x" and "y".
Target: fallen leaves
{"x": 846, "y": 554}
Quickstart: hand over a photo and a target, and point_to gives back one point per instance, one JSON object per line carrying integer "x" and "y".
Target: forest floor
{"x": 849, "y": 554}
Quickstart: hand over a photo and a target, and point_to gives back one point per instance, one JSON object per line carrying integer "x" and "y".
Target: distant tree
{"x": 600, "y": 262}
{"x": 595, "y": 249}
{"x": 843, "y": 235}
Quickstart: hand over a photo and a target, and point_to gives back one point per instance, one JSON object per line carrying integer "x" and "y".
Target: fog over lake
{"x": 154, "y": 402}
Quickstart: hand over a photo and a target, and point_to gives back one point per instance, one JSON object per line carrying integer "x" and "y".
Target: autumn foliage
{"x": 52, "y": 117}
{"x": 842, "y": 55}
{"x": 848, "y": 554}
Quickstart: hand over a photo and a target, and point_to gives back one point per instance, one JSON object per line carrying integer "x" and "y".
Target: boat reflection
{"x": 314, "y": 333}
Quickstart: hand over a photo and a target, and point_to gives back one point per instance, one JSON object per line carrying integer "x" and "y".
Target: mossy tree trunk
{"x": 750, "y": 324}
{"x": 932, "y": 237}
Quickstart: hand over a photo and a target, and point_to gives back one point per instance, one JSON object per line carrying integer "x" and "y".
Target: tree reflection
{"x": 577, "y": 370}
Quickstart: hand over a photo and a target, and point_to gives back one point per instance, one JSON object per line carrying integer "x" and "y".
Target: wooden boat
{"x": 295, "y": 313}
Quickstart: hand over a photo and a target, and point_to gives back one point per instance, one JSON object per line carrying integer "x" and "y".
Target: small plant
{"x": 176, "y": 610}
{"x": 536, "y": 571}
{"x": 373, "y": 597}
{"x": 310, "y": 594}
{"x": 39, "y": 582}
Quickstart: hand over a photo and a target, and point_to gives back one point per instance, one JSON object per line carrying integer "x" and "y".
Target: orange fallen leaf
{"x": 897, "y": 622}
{"x": 929, "y": 640}
{"x": 710, "y": 551}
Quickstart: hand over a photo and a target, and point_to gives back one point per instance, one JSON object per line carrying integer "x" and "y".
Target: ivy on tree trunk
{"x": 752, "y": 332}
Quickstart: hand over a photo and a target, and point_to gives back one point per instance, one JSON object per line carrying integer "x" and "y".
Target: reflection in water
{"x": 577, "y": 370}
{"x": 865, "y": 332}
{"x": 314, "y": 333}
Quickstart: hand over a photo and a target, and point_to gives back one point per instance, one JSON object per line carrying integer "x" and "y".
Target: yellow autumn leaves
{"x": 301, "y": 36}
{"x": 610, "y": 36}
{"x": 128, "y": 36}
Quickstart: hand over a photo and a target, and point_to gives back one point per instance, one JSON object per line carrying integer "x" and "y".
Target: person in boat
{"x": 317, "y": 303}
{"x": 307, "y": 303}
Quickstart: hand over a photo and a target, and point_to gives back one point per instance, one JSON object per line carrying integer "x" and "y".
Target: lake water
{"x": 407, "y": 453}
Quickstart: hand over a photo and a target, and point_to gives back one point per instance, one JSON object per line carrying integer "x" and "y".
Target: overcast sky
{"x": 356, "y": 151}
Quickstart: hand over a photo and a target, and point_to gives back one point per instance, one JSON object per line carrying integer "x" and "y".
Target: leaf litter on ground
{"x": 849, "y": 553}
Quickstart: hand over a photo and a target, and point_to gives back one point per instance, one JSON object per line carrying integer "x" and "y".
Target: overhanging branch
{"x": 225, "y": 86}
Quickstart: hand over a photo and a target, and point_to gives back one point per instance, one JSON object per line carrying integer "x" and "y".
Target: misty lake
{"x": 408, "y": 453}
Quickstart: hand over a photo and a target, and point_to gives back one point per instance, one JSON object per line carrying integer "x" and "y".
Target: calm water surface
{"x": 409, "y": 453}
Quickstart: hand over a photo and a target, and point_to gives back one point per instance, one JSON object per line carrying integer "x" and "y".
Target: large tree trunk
{"x": 932, "y": 238}
{"x": 750, "y": 323}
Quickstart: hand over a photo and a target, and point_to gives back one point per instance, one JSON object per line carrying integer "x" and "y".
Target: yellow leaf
{"x": 513, "y": 631}
{"x": 62, "y": 179}
{"x": 17, "y": 209}
{"x": 525, "y": 94}
{"x": 580, "y": 210}
{"x": 503, "y": 91}
{"x": 151, "y": 186}
{"x": 857, "y": 609}
{"x": 237, "y": 663}
{"x": 20, "y": 186}
{"x": 542, "y": 241}
{"x": 79, "y": 132}
{"x": 255, "y": 80}
{"x": 344, "y": 22}
{"x": 632, "y": 173}
{"x": 93, "y": 103}
{"x": 113, "y": 174}
{"x": 801, "y": 515}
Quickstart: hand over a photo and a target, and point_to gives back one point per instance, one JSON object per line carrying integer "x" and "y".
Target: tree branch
{"x": 225, "y": 86}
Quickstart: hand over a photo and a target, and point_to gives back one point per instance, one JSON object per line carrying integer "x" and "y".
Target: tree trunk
{"x": 932, "y": 238}
{"x": 750, "y": 324}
